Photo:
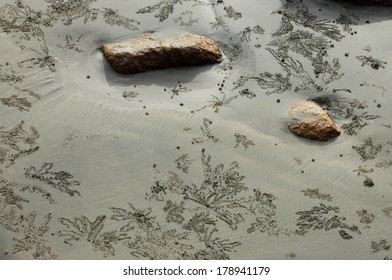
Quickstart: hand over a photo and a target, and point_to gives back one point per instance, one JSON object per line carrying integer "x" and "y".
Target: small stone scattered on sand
{"x": 312, "y": 122}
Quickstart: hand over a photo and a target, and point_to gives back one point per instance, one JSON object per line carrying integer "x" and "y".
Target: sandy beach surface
{"x": 194, "y": 162}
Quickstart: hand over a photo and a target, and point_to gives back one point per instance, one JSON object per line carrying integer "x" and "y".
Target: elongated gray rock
{"x": 146, "y": 53}
{"x": 312, "y": 122}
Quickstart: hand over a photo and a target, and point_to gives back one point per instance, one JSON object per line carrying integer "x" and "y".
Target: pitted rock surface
{"x": 312, "y": 122}
{"x": 146, "y": 53}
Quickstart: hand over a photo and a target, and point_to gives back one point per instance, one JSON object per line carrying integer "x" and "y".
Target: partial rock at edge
{"x": 146, "y": 53}
{"x": 315, "y": 124}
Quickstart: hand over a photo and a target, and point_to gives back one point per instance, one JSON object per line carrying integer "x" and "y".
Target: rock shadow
{"x": 162, "y": 77}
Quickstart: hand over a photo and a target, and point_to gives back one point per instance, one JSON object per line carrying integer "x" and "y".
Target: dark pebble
{"x": 368, "y": 182}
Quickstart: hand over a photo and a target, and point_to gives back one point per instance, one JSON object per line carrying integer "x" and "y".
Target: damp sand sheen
{"x": 198, "y": 161}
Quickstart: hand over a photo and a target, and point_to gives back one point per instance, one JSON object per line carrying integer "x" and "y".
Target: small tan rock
{"x": 312, "y": 122}
{"x": 146, "y": 53}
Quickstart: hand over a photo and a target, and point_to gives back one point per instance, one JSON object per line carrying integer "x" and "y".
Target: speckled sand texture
{"x": 194, "y": 162}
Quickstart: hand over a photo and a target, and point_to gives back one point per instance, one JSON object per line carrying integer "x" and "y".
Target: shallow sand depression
{"x": 194, "y": 162}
